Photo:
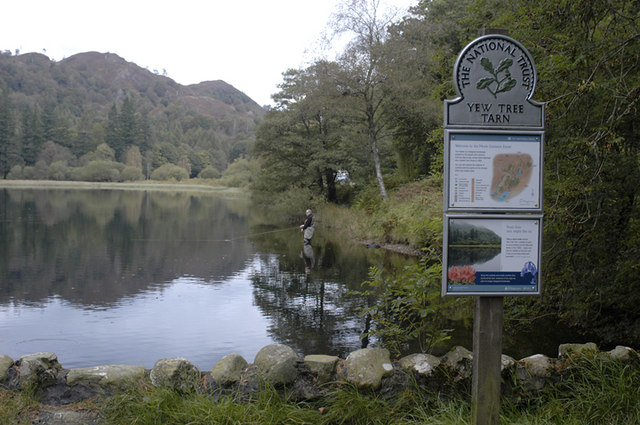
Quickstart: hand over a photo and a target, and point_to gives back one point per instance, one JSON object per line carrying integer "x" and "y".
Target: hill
{"x": 84, "y": 101}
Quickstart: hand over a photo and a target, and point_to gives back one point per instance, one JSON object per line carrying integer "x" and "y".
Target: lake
{"x": 103, "y": 276}
{"x": 132, "y": 276}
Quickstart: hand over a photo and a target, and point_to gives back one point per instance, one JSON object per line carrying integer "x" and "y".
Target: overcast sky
{"x": 246, "y": 43}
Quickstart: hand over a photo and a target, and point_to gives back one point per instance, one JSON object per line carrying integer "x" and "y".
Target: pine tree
{"x": 32, "y": 135}
{"x": 9, "y": 149}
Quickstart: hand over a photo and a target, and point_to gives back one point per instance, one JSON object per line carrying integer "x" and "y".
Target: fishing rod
{"x": 224, "y": 240}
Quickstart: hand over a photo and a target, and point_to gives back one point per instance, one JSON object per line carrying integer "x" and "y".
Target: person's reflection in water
{"x": 308, "y": 256}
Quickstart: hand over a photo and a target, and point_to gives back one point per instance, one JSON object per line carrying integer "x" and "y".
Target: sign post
{"x": 492, "y": 242}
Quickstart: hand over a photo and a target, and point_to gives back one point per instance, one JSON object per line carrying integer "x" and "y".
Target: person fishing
{"x": 308, "y": 227}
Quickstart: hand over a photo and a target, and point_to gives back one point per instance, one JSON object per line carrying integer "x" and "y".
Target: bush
{"x": 210, "y": 172}
{"x": 238, "y": 174}
{"x": 58, "y": 170}
{"x": 410, "y": 309}
{"x": 162, "y": 172}
{"x": 16, "y": 173}
{"x": 76, "y": 174}
{"x": 102, "y": 171}
{"x": 131, "y": 174}
{"x": 178, "y": 173}
{"x": 37, "y": 172}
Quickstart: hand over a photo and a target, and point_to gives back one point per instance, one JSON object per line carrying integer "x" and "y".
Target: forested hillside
{"x": 56, "y": 118}
{"x": 375, "y": 114}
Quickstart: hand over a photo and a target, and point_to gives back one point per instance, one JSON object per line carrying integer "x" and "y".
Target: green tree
{"x": 588, "y": 59}
{"x": 124, "y": 129}
{"x": 9, "y": 149}
{"x": 32, "y": 134}
{"x": 301, "y": 142}
{"x": 587, "y": 56}
{"x": 362, "y": 77}
{"x": 133, "y": 157}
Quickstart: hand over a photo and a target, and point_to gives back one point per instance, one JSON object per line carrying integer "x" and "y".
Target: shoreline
{"x": 397, "y": 248}
{"x": 146, "y": 185}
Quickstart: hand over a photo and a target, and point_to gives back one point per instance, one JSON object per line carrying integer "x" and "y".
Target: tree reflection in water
{"x": 310, "y": 302}
{"x": 137, "y": 259}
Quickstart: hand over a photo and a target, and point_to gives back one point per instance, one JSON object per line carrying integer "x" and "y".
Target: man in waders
{"x": 308, "y": 228}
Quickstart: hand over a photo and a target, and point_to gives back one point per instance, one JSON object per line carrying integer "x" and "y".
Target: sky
{"x": 246, "y": 43}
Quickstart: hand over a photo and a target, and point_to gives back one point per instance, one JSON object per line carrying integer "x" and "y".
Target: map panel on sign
{"x": 494, "y": 172}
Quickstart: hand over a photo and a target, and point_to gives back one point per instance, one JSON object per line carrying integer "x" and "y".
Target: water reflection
{"x": 309, "y": 257}
{"x": 111, "y": 276}
{"x": 93, "y": 247}
{"x": 106, "y": 276}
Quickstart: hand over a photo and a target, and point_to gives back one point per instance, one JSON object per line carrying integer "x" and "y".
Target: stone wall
{"x": 300, "y": 378}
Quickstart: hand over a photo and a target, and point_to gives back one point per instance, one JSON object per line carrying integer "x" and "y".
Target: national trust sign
{"x": 495, "y": 79}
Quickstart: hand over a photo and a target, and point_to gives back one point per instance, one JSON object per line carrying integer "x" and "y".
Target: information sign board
{"x": 493, "y": 171}
{"x": 492, "y": 254}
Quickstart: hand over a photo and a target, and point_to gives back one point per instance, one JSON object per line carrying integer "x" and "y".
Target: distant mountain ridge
{"x": 109, "y": 73}
{"x": 211, "y": 123}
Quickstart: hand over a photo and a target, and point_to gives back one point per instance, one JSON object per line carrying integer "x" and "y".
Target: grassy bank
{"x": 595, "y": 391}
{"x": 411, "y": 216}
{"x": 191, "y": 185}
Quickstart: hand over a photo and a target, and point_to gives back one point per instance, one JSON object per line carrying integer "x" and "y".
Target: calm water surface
{"x": 115, "y": 276}
{"x": 123, "y": 276}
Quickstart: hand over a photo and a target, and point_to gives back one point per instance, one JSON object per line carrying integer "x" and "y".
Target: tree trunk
{"x": 330, "y": 176}
{"x": 376, "y": 165}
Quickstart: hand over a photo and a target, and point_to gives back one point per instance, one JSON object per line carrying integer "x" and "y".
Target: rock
{"x": 535, "y": 371}
{"x": 305, "y": 387}
{"x": 423, "y": 364}
{"x": 277, "y": 364}
{"x": 177, "y": 373}
{"x": 395, "y": 382}
{"x": 460, "y": 360}
{"x": 106, "y": 376}
{"x": 621, "y": 353}
{"x": 5, "y": 363}
{"x": 228, "y": 370}
{"x": 38, "y": 369}
{"x": 322, "y": 366}
{"x": 507, "y": 363}
{"x": 57, "y": 416}
{"x": 569, "y": 350}
{"x": 365, "y": 368}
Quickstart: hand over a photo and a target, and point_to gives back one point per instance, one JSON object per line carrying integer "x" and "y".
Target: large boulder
{"x": 228, "y": 370}
{"x": 277, "y": 364}
{"x": 38, "y": 370}
{"x": 106, "y": 376}
{"x": 365, "y": 368}
{"x": 177, "y": 373}
{"x": 5, "y": 364}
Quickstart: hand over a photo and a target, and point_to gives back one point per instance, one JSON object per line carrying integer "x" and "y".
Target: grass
{"x": 16, "y": 408}
{"x": 594, "y": 391}
{"x": 411, "y": 216}
{"x": 190, "y": 185}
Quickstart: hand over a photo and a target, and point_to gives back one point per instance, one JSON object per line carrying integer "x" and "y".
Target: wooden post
{"x": 487, "y": 360}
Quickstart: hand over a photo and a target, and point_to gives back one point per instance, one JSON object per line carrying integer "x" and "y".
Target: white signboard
{"x": 492, "y": 255}
{"x": 494, "y": 172}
